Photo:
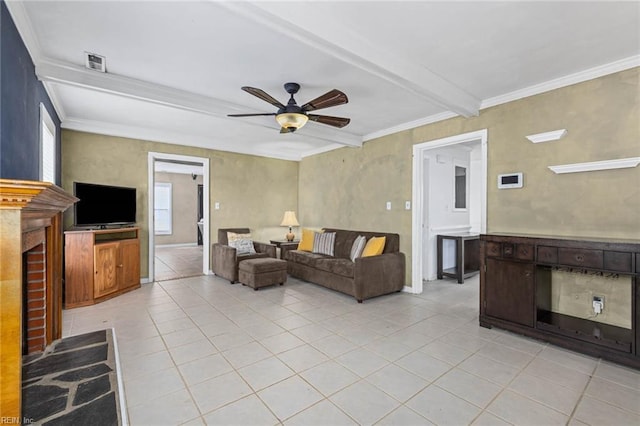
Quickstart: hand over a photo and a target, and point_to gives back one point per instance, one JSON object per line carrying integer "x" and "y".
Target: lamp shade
{"x": 291, "y": 121}
{"x": 289, "y": 219}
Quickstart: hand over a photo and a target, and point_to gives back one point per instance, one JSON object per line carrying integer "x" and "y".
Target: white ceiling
{"x": 175, "y": 68}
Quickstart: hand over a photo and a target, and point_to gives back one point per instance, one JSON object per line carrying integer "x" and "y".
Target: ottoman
{"x": 262, "y": 272}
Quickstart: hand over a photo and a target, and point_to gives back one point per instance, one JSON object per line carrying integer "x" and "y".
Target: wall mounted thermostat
{"x": 510, "y": 180}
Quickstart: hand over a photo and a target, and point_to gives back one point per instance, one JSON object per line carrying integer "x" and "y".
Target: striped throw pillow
{"x": 357, "y": 247}
{"x": 323, "y": 242}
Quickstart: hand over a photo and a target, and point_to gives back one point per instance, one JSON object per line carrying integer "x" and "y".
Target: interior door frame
{"x": 152, "y": 158}
{"x": 418, "y": 225}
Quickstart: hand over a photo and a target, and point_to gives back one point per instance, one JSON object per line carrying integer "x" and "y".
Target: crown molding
{"x": 322, "y": 150}
{"x": 55, "y": 100}
{"x": 548, "y": 136}
{"x": 22, "y": 22}
{"x": 568, "y": 80}
{"x": 147, "y": 134}
{"x": 342, "y": 43}
{"x": 622, "y": 163}
{"x": 409, "y": 125}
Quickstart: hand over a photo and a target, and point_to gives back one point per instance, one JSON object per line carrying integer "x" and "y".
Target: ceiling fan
{"x": 291, "y": 117}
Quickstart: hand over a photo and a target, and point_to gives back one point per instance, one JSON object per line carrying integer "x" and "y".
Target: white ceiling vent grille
{"x": 95, "y": 62}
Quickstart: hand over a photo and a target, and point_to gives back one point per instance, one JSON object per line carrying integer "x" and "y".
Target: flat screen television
{"x": 104, "y": 205}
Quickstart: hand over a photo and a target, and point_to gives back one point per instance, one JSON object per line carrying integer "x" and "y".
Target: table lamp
{"x": 290, "y": 220}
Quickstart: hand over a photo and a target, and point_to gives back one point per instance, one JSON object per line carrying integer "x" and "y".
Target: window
{"x": 162, "y": 209}
{"x": 47, "y": 146}
{"x": 460, "y": 187}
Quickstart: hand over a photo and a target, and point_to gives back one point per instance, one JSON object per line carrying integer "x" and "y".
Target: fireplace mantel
{"x": 30, "y": 214}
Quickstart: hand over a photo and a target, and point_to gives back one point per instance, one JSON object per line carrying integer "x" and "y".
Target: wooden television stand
{"x": 100, "y": 264}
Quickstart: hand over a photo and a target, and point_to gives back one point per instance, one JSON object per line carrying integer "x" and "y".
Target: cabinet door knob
{"x": 120, "y": 266}
{"x": 580, "y": 258}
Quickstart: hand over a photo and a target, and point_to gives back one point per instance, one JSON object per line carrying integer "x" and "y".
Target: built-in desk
{"x": 467, "y": 256}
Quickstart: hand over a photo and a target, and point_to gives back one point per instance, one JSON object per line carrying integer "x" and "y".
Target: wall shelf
{"x": 548, "y": 136}
{"x": 621, "y": 163}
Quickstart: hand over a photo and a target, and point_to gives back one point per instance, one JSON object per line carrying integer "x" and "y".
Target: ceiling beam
{"x": 50, "y": 71}
{"x": 333, "y": 38}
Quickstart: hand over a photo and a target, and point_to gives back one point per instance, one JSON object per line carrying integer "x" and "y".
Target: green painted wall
{"x": 349, "y": 187}
{"x": 252, "y": 191}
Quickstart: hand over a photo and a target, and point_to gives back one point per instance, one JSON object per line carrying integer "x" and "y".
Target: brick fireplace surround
{"x": 35, "y": 311}
{"x": 30, "y": 278}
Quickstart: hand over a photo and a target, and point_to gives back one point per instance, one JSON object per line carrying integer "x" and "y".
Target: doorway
{"x": 178, "y": 239}
{"x": 439, "y": 169}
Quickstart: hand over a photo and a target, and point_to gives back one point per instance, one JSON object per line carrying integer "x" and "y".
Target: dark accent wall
{"x": 21, "y": 94}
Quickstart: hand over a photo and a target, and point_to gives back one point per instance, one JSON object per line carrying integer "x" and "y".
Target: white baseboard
{"x": 408, "y": 289}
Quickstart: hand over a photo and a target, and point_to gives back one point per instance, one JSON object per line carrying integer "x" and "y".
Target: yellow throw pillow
{"x": 306, "y": 241}
{"x": 374, "y": 246}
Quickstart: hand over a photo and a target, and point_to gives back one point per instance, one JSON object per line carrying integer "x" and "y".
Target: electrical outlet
{"x": 598, "y": 304}
{"x": 388, "y": 205}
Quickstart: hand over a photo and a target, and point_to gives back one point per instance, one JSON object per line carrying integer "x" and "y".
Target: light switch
{"x": 407, "y": 205}
{"x": 216, "y": 205}
{"x": 388, "y": 205}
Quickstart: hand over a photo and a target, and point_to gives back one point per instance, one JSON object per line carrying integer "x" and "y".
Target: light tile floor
{"x": 202, "y": 351}
{"x": 177, "y": 262}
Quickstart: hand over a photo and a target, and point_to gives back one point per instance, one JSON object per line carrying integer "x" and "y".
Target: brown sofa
{"x": 225, "y": 259}
{"x": 365, "y": 278}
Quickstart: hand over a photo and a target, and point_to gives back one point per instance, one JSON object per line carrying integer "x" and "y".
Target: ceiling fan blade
{"x": 331, "y": 121}
{"x": 259, "y": 93}
{"x": 250, "y": 115}
{"x": 331, "y": 98}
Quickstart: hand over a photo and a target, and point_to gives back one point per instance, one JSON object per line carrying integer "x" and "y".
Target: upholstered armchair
{"x": 225, "y": 259}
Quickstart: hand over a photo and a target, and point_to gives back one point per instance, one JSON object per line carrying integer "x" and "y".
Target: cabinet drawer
{"x": 580, "y": 257}
{"x": 511, "y": 250}
{"x": 618, "y": 261}
{"x": 508, "y": 249}
{"x": 494, "y": 249}
{"x": 524, "y": 251}
{"x": 547, "y": 254}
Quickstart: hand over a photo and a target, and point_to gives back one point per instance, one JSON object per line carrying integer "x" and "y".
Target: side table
{"x": 285, "y": 245}
{"x": 467, "y": 256}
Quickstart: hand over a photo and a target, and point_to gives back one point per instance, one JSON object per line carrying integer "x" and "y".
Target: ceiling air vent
{"x": 95, "y": 62}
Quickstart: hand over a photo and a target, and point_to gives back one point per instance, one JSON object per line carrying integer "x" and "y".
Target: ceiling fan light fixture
{"x": 292, "y": 120}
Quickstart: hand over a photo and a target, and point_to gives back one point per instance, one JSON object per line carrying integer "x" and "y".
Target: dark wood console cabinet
{"x": 524, "y": 278}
